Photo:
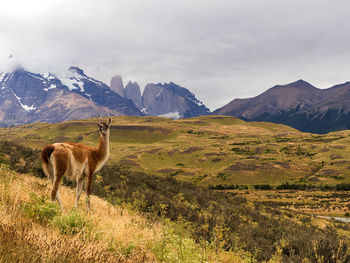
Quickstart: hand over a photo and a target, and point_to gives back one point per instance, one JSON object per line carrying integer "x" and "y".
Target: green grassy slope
{"x": 207, "y": 150}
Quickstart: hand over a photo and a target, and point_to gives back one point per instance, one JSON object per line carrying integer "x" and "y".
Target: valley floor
{"x": 309, "y": 202}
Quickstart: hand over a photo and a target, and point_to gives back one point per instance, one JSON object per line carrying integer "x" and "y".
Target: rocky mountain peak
{"x": 77, "y": 70}
{"x": 132, "y": 91}
{"x": 170, "y": 99}
{"x": 117, "y": 85}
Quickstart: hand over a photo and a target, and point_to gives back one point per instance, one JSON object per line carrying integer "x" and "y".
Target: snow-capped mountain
{"x": 27, "y": 97}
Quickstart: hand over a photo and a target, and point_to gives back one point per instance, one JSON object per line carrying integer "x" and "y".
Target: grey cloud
{"x": 220, "y": 50}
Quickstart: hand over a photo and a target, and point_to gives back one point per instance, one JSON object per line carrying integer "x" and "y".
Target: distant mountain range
{"x": 27, "y": 97}
{"x": 299, "y": 105}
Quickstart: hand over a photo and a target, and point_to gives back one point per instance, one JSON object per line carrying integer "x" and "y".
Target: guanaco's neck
{"x": 103, "y": 146}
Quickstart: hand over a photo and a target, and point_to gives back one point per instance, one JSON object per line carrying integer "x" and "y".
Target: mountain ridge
{"x": 27, "y": 97}
{"x": 162, "y": 99}
{"x": 298, "y": 104}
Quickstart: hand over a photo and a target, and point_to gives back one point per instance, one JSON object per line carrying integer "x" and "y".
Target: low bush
{"x": 74, "y": 222}
{"x": 40, "y": 209}
{"x": 263, "y": 187}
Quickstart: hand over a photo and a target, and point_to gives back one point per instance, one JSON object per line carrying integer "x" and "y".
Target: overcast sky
{"x": 219, "y": 49}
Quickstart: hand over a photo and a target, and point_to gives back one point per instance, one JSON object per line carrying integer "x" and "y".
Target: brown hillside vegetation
{"x": 32, "y": 229}
{"x": 193, "y": 224}
{"x": 206, "y": 189}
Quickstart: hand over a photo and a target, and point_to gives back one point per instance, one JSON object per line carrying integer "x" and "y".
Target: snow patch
{"x": 25, "y": 107}
{"x": 2, "y": 76}
{"x": 144, "y": 110}
{"x": 194, "y": 100}
{"x": 87, "y": 94}
{"x": 52, "y": 86}
{"x": 171, "y": 115}
{"x": 199, "y": 103}
{"x": 4, "y": 79}
{"x": 49, "y": 76}
{"x": 73, "y": 80}
{"x": 73, "y": 84}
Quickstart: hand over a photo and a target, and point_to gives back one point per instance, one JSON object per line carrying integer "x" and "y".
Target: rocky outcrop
{"x": 132, "y": 92}
{"x": 117, "y": 85}
{"x": 167, "y": 99}
{"x": 171, "y": 100}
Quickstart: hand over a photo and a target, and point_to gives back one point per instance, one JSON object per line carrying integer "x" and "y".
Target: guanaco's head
{"x": 103, "y": 127}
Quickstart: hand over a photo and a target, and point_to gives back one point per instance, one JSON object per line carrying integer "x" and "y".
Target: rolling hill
{"x": 208, "y": 150}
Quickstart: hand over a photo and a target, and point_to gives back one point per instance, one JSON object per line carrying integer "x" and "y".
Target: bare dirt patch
{"x": 336, "y": 156}
{"x": 153, "y": 151}
{"x": 328, "y": 172}
{"x": 132, "y": 156}
{"x": 247, "y": 167}
{"x": 130, "y": 163}
{"x": 337, "y": 146}
{"x": 192, "y": 149}
{"x": 167, "y": 170}
{"x": 215, "y": 154}
{"x": 172, "y": 152}
{"x": 164, "y": 131}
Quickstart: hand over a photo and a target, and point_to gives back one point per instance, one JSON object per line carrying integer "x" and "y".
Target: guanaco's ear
{"x": 109, "y": 121}
{"x": 99, "y": 120}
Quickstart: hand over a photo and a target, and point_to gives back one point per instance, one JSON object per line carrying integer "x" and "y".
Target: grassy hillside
{"x": 32, "y": 229}
{"x": 208, "y": 150}
{"x": 165, "y": 220}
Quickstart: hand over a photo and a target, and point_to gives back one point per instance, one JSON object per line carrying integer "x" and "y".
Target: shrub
{"x": 40, "y": 209}
{"x": 263, "y": 187}
{"x": 21, "y": 159}
{"x": 73, "y": 223}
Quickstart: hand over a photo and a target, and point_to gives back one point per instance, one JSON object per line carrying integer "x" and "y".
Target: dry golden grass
{"x": 119, "y": 234}
{"x": 115, "y": 228}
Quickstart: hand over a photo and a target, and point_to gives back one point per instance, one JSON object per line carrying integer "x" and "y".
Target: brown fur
{"x": 75, "y": 161}
{"x": 46, "y": 153}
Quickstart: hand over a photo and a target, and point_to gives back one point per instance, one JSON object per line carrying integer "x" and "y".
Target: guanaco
{"x": 76, "y": 162}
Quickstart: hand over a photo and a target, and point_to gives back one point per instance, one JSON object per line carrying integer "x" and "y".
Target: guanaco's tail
{"x": 46, "y": 153}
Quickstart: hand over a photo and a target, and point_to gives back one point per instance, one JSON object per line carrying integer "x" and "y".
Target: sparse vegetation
{"x": 211, "y": 221}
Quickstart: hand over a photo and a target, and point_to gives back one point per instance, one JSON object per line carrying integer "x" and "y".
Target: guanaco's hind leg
{"x": 80, "y": 184}
{"x": 55, "y": 193}
{"x": 88, "y": 181}
{"x": 60, "y": 168}
{"x": 49, "y": 174}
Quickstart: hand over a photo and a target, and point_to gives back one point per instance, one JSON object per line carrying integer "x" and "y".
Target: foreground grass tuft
{"x": 73, "y": 222}
{"x": 40, "y": 209}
